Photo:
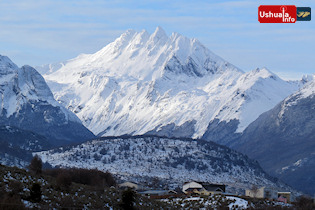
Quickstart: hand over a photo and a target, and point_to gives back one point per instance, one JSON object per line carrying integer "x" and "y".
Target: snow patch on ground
{"x": 238, "y": 203}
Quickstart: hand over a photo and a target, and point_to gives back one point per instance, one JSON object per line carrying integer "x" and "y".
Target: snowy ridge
{"x": 307, "y": 91}
{"x": 177, "y": 160}
{"x": 21, "y": 85}
{"x": 142, "y": 83}
{"x": 285, "y": 133}
{"x": 26, "y": 102}
{"x": 261, "y": 90}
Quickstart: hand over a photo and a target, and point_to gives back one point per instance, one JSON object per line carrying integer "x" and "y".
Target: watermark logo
{"x": 303, "y": 13}
{"x": 277, "y": 14}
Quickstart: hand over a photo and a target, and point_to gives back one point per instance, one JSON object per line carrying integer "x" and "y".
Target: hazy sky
{"x": 39, "y": 32}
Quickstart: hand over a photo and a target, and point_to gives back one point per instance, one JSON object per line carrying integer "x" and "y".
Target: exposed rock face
{"x": 283, "y": 139}
{"x": 171, "y": 130}
{"x": 17, "y": 145}
{"x": 27, "y": 103}
{"x": 222, "y": 132}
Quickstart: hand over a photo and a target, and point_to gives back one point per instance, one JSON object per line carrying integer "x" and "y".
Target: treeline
{"x": 65, "y": 176}
{"x": 92, "y": 177}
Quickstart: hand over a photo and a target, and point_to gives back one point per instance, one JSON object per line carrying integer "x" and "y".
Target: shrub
{"x": 35, "y": 193}
{"x": 305, "y": 203}
{"x": 97, "y": 157}
{"x": 103, "y": 151}
{"x": 64, "y": 179}
{"x": 11, "y": 202}
{"x": 90, "y": 177}
{"x": 15, "y": 187}
{"x": 127, "y": 199}
{"x": 68, "y": 203}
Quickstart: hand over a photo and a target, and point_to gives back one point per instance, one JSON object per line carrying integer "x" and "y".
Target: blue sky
{"x": 39, "y": 32}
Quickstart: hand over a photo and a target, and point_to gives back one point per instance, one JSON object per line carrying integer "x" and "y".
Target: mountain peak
{"x": 308, "y": 78}
{"x": 263, "y": 73}
{"x": 28, "y": 103}
{"x": 129, "y": 32}
{"x": 159, "y": 34}
{"x": 159, "y": 31}
{"x": 124, "y": 39}
{"x": 147, "y": 56}
{"x": 6, "y": 63}
{"x": 153, "y": 72}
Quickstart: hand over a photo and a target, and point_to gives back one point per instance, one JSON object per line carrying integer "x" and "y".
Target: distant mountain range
{"x": 283, "y": 139}
{"x": 170, "y": 86}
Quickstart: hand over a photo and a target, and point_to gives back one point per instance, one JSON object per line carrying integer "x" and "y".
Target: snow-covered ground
{"x": 172, "y": 160}
{"x": 220, "y": 201}
{"x": 238, "y": 203}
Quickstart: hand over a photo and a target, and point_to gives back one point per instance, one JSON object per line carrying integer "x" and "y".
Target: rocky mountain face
{"x": 17, "y": 145}
{"x": 163, "y": 85}
{"x": 283, "y": 139}
{"x": 139, "y": 158}
{"x": 27, "y": 103}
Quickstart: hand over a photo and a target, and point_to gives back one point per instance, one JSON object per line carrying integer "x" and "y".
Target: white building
{"x": 191, "y": 185}
{"x": 262, "y": 192}
{"x": 129, "y": 185}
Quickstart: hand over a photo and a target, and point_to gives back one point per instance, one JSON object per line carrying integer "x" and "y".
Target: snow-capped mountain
{"x": 27, "y": 103}
{"x": 283, "y": 139}
{"x": 165, "y": 85}
{"x": 169, "y": 159}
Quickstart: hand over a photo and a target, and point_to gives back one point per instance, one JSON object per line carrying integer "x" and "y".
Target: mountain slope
{"x": 26, "y": 102}
{"x": 282, "y": 139}
{"x": 155, "y": 84}
{"x": 173, "y": 160}
{"x": 17, "y": 145}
